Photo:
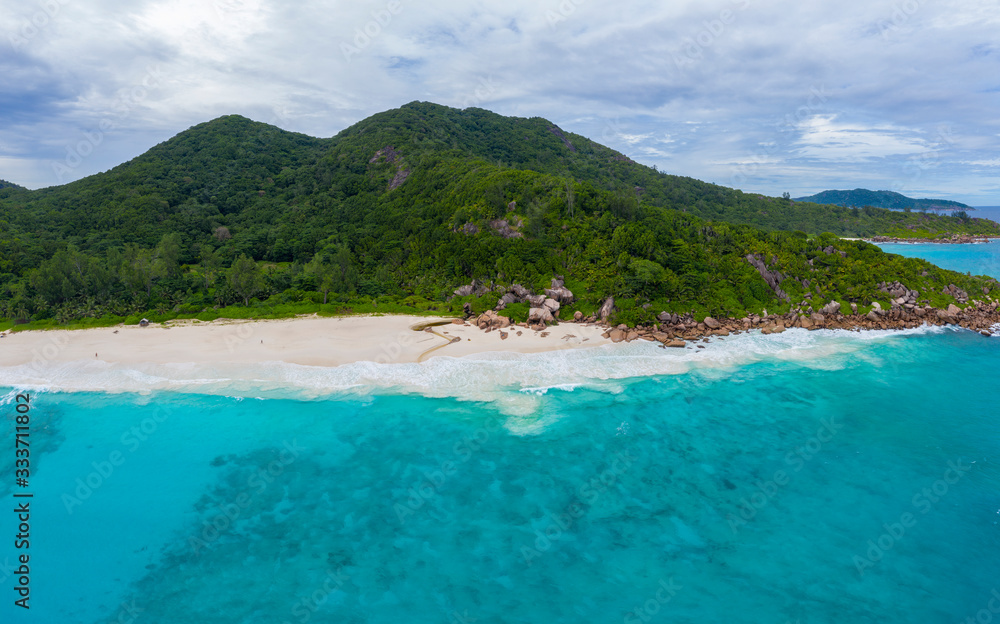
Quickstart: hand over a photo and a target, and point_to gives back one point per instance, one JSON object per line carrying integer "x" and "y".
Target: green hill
{"x": 882, "y": 199}
{"x": 396, "y": 211}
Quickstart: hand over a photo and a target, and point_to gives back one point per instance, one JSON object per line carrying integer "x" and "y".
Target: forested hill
{"x": 411, "y": 203}
{"x": 4, "y": 184}
{"x": 882, "y": 199}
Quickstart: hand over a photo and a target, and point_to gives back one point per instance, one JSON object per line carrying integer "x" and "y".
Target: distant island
{"x": 881, "y": 199}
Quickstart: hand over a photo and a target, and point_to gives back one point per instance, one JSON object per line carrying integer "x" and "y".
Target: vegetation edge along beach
{"x": 397, "y": 213}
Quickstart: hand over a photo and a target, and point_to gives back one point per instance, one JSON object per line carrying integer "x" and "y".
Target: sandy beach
{"x": 312, "y": 341}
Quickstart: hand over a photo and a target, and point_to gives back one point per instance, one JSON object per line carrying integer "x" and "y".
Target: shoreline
{"x": 455, "y": 359}
{"x": 309, "y": 341}
{"x": 978, "y": 317}
{"x": 399, "y": 339}
{"x": 954, "y": 240}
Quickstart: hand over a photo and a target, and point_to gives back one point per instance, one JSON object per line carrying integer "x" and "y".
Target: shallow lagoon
{"x": 807, "y": 477}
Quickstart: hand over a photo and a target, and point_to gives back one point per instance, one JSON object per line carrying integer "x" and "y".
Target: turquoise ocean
{"x": 805, "y": 477}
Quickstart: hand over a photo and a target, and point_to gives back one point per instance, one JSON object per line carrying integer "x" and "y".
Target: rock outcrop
{"x": 559, "y": 292}
{"x": 606, "y": 309}
{"x": 831, "y": 308}
{"x": 490, "y": 320}
{"x": 946, "y": 239}
{"x": 900, "y": 294}
{"x": 465, "y": 291}
{"x": 773, "y": 278}
{"x": 956, "y": 292}
{"x": 539, "y": 316}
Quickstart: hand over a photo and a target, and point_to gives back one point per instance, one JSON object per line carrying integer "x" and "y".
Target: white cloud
{"x": 632, "y": 139}
{"x": 823, "y": 137}
{"x": 994, "y": 162}
{"x": 610, "y": 72}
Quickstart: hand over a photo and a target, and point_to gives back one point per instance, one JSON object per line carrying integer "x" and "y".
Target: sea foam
{"x": 483, "y": 377}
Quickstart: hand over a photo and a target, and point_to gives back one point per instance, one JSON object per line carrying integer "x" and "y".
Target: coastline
{"x": 308, "y": 341}
{"x": 399, "y": 339}
{"x": 954, "y": 240}
{"x": 331, "y": 342}
{"x": 979, "y": 317}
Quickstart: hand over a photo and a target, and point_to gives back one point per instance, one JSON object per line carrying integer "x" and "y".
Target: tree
{"x": 536, "y": 218}
{"x": 344, "y": 269}
{"x": 245, "y": 278}
{"x": 166, "y": 256}
{"x": 138, "y": 270}
{"x": 645, "y": 276}
{"x": 322, "y": 268}
{"x": 210, "y": 263}
{"x": 510, "y": 267}
{"x": 570, "y": 198}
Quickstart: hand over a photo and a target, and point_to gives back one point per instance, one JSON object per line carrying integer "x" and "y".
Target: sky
{"x": 768, "y": 97}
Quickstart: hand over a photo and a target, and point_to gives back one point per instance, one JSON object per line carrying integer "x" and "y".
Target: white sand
{"x": 312, "y": 341}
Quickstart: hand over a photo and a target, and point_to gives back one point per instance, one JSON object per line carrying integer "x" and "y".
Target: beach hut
{"x": 144, "y": 323}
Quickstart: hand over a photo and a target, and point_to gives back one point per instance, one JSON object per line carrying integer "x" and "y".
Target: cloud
{"x": 729, "y": 83}
{"x": 823, "y": 137}
{"x": 995, "y": 162}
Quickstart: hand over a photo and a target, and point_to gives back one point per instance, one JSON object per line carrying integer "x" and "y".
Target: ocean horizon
{"x": 987, "y": 212}
{"x": 823, "y": 476}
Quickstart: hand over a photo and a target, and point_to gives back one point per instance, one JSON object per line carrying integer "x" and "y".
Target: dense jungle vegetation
{"x": 241, "y": 219}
